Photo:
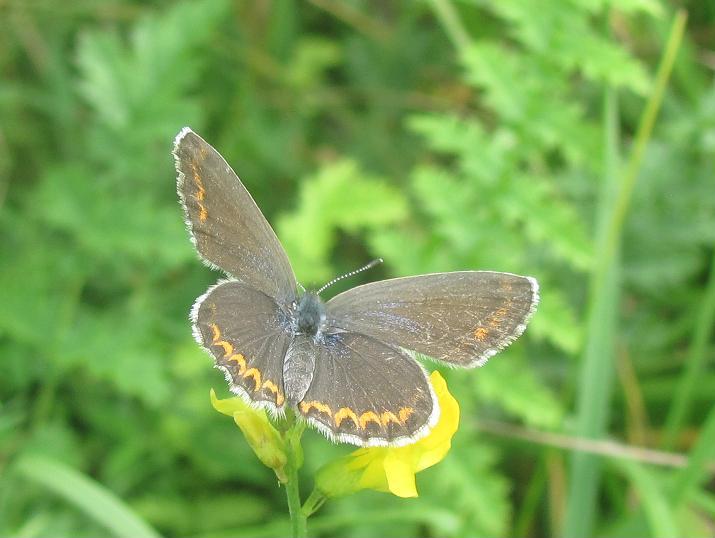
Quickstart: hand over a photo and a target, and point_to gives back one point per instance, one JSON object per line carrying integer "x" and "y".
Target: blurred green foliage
{"x": 437, "y": 135}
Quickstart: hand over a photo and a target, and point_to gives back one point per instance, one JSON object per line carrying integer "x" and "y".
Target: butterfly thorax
{"x": 310, "y": 314}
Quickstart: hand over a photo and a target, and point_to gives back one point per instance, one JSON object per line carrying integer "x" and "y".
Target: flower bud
{"x": 261, "y": 435}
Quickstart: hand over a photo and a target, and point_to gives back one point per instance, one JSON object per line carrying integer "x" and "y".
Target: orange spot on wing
{"x": 388, "y": 416}
{"x": 480, "y": 333}
{"x": 200, "y": 191}
{"x": 215, "y": 331}
{"x": 196, "y": 174}
{"x": 369, "y": 416}
{"x": 343, "y": 413}
{"x": 256, "y": 375}
{"x": 496, "y": 319}
{"x": 240, "y": 360}
{"x": 361, "y": 422}
{"x": 404, "y": 413}
{"x": 271, "y": 386}
{"x": 227, "y": 347}
{"x": 305, "y": 407}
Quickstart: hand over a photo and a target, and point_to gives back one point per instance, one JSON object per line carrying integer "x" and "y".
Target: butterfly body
{"x": 346, "y": 365}
{"x": 310, "y": 315}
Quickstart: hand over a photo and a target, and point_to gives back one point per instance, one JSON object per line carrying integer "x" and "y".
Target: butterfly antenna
{"x": 370, "y": 265}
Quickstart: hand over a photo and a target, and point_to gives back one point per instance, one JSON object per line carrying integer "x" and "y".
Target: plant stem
{"x": 314, "y": 502}
{"x": 294, "y": 453}
{"x": 448, "y": 16}
{"x": 643, "y": 134}
{"x": 297, "y": 517}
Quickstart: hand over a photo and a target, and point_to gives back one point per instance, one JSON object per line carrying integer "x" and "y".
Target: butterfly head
{"x": 310, "y": 314}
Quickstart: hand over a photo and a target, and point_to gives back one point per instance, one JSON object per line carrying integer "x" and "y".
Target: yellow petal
{"x": 400, "y": 476}
{"x": 372, "y": 473}
{"x": 434, "y": 447}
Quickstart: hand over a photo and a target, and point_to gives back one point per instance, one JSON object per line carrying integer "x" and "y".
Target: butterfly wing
{"x": 248, "y": 334}
{"x": 461, "y": 318}
{"x": 225, "y": 224}
{"x": 366, "y": 392}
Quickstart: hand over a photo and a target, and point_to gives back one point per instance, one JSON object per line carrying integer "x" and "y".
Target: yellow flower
{"x": 392, "y": 469}
{"x": 263, "y": 438}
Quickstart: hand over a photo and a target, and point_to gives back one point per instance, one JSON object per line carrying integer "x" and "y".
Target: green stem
{"x": 314, "y": 502}
{"x": 448, "y": 16}
{"x": 297, "y": 517}
{"x": 643, "y": 134}
{"x": 294, "y": 453}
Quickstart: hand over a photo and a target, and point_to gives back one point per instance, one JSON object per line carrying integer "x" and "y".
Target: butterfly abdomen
{"x": 299, "y": 362}
{"x": 298, "y": 368}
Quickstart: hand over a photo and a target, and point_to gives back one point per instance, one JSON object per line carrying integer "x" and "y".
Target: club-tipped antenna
{"x": 370, "y": 265}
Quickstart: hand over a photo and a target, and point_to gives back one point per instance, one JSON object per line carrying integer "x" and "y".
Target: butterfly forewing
{"x": 228, "y": 229}
{"x": 461, "y": 318}
{"x": 248, "y": 334}
{"x": 367, "y": 393}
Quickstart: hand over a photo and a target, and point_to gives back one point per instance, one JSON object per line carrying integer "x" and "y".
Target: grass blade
{"x": 685, "y": 390}
{"x": 594, "y": 382}
{"x": 656, "y": 505}
{"x": 87, "y": 495}
{"x": 449, "y": 18}
{"x": 697, "y": 472}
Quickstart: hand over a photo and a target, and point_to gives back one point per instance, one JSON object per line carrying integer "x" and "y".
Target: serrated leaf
{"x": 564, "y": 34}
{"x": 515, "y": 388}
{"x": 339, "y": 197}
{"x": 150, "y": 74}
{"x": 556, "y": 320}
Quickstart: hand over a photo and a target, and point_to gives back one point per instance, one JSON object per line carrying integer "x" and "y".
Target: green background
{"x": 438, "y": 135}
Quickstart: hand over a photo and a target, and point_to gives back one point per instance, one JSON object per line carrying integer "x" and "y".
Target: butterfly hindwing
{"x": 228, "y": 229}
{"x": 366, "y": 392}
{"x": 461, "y": 318}
{"x": 247, "y": 333}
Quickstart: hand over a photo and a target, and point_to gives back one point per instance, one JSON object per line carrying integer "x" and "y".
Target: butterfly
{"x": 347, "y": 365}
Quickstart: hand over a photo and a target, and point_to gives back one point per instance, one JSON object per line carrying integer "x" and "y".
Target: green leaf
{"x": 564, "y": 34}
{"x": 515, "y": 388}
{"x": 148, "y": 77}
{"x": 96, "y": 501}
{"x": 339, "y": 197}
{"x": 556, "y": 320}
